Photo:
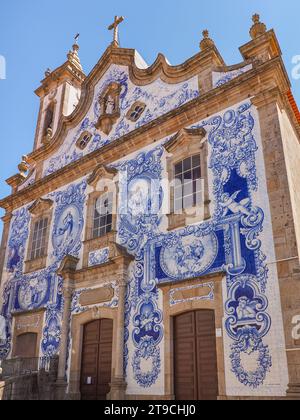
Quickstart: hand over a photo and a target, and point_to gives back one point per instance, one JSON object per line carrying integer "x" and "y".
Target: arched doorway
{"x": 96, "y": 366}
{"x": 26, "y": 345}
{"x": 195, "y": 356}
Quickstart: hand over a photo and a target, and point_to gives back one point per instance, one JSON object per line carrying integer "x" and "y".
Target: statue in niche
{"x": 110, "y": 105}
{"x": 109, "y": 108}
{"x": 2, "y": 329}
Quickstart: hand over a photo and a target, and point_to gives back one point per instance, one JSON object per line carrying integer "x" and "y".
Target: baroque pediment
{"x": 101, "y": 172}
{"x": 156, "y": 90}
{"x": 184, "y": 137}
{"x": 41, "y": 205}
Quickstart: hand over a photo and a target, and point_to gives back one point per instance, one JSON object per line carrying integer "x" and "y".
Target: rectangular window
{"x": 38, "y": 246}
{"x": 188, "y": 185}
{"x": 102, "y": 216}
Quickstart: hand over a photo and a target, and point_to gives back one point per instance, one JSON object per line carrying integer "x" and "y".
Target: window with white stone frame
{"x": 103, "y": 218}
{"x": 38, "y": 245}
{"x": 188, "y": 188}
{"x": 187, "y": 171}
{"x": 41, "y": 216}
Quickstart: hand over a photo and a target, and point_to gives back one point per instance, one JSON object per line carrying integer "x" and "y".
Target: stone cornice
{"x": 65, "y": 71}
{"x": 211, "y": 277}
{"x": 109, "y": 269}
{"x": 182, "y": 135}
{"x": 264, "y": 77}
{"x": 67, "y": 266}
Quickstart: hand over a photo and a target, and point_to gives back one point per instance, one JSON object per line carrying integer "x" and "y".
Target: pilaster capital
{"x": 7, "y": 217}
{"x": 267, "y": 97}
{"x": 67, "y": 267}
{"x": 122, "y": 279}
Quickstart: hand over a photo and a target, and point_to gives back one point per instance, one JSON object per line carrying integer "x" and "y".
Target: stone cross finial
{"x": 115, "y": 27}
{"x": 258, "y": 28}
{"x": 206, "y": 42}
{"x": 76, "y": 37}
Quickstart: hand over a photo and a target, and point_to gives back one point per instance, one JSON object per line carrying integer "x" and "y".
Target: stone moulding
{"x": 96, "y": 296}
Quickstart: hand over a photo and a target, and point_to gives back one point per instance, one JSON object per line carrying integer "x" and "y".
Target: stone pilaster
{"x": 118, "y": 384}
{"x": 66, "y": 271}
{"x": 269, "y": 105}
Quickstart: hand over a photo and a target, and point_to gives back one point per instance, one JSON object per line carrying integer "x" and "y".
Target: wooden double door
{"x": 195, "y": 356}
{"x": 96, "y": 367}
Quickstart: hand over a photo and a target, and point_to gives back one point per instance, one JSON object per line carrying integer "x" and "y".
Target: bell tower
{"x": 59, "y": 94}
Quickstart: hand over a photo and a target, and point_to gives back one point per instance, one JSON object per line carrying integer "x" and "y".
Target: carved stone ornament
{"x": 258, "y": 28}
{"x": 109, "y": 108}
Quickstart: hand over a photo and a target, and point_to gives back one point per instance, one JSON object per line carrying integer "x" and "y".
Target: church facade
{"x": 151, "y": 239}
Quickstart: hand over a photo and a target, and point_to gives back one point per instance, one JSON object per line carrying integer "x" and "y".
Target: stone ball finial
{"x": 256, "y": 18}
{"x": 23, "y": 166}
{"x": 75, "y": 48}
{"x": 48, "y": 72}
{"x": 73, "y": 56}
{"x": 258, "y": 28}
{"x": 206, "y": 42}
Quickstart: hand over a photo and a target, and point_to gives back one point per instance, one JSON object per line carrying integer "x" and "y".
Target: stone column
{"x": 66, "y": 271}
{"x": 118, "y": 385}
{"x": 6, "y": 225}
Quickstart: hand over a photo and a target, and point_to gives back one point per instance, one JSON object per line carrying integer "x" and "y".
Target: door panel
{"x": 26, "y": 345}
{"x": 195, "y": 356}
{"x": 185, "y": 357}
{"x": 96, "y": 360}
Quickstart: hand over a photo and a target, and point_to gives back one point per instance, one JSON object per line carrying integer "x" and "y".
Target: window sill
{"x": 36, "y": 264}
{"x": 186, "y": 218}
{"x": 94, "y": 244}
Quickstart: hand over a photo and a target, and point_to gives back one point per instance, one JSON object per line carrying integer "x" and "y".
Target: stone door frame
{"x": 28, "y": 322}
{"x": 77, "y": 329}
{"x": 186, "y": 305}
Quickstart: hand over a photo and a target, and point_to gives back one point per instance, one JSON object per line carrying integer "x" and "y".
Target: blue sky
{"x": 37, "y": 34}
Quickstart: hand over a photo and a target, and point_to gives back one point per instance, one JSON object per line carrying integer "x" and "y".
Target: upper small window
{"x": 188, "y": 184}
{"x": 38, "y": 245}
{"x": 83, "y": 140}
{"x": 48, "y": 121}
{"x": 136, "y": 111}
{"x": 103, "y": 215}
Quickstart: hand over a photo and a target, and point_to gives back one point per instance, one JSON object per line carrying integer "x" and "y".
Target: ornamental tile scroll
{"x": 196, "y": 292}
{"x": 98, "y": 257}
{"x": 221, "y": 78}
{"x": 42, "y": 289}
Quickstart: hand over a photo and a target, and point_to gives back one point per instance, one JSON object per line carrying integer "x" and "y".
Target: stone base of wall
{"x": 35, "y": 387}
